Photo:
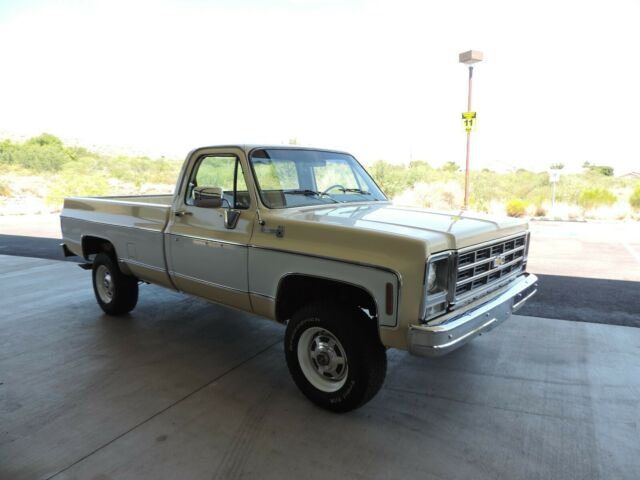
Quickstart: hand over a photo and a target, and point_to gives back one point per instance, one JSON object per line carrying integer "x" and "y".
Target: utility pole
{"x": 469, "y": 58}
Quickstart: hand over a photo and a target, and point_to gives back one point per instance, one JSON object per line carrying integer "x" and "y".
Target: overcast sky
{"x": 381, "y": 79}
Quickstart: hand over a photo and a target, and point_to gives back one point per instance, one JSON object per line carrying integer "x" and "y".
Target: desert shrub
{"x": 140, "y": 170}
{"x": 478, "y": 205}
{"x": 69, "y": 185}
{"x": 36, "y": 158}
{"x": 516, "y": 207}
{"x": 44, "y": 153}
{"x": 634, "y": 199}
{"x": 5, "y": 191}
{"x": 392, "y": 179}
{"x": 598, "y": 197}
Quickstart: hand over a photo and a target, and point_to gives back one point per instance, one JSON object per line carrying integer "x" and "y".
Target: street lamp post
{"x": 469, "y": 58}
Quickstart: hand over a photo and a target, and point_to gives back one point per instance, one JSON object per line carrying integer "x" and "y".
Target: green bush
{"x": 35, "y": 154}
{"x": 47, "y": 154}
{"x": 392, "y": 179}
{"x": 45, "y": 139}
{"x": 598, "y": 197}
{"x": 634, "y": 199}
{"x": 516, "y": 207}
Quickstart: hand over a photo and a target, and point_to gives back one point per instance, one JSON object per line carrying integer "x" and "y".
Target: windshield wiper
{"x": 355, "y": 190}
{"x": 309, "y": 193}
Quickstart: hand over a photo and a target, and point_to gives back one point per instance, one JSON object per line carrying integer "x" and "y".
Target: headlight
{"x": 432, "y": 274}
{"x": 436, "y": 285}
{"x": 437, "y": 269}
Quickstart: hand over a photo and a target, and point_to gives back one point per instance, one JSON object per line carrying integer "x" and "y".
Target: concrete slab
{"x": 32, "y": 225}
{"x": 185, "y": 389}
{"x": 592, "y": 249}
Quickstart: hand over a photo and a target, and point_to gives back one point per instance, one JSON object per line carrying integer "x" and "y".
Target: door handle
{"x": 182, "y": 213}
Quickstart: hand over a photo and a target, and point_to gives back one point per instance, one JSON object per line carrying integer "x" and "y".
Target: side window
{"x": 222, "y": 171}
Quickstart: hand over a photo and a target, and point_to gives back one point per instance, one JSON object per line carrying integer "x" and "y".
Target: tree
{"x": 418, "y": 164}
{"x": 450, "y": 167}
{"x": 45, "y": 139}
{"x": 605, "y": 170}
{"x": 557, "y": 166}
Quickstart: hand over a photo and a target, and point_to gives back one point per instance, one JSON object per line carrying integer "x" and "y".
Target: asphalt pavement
{"x": 613, "y": 302}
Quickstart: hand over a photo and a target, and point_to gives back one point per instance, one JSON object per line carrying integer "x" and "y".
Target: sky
{"x": 380, "y": 79}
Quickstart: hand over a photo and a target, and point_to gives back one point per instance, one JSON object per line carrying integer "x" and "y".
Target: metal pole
{"x": 466, "y": 170}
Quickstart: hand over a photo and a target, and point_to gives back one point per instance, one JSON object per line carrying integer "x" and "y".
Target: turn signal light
{"x": 389, "y": 299}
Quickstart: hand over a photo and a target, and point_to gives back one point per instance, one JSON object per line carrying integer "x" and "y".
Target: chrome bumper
{"x": 436, "y": 340}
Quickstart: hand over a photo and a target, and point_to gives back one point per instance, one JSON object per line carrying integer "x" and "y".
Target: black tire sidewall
{"x": 342, "y": 323}
{"x": 125, "y": 289}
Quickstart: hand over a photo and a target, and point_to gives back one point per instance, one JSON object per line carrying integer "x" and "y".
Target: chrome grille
{"x": 481, "y": 267}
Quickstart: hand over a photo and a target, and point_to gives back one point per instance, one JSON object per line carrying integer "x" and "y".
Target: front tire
{"x": 115, "y": 292}
{"x": 335, "y": 356}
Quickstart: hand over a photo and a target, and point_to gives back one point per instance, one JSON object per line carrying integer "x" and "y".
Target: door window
{"x": 224, "y": 172}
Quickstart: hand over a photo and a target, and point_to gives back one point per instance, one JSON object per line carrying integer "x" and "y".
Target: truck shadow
{"x": 595, "y": 300}
{"x": 38, "y": 247}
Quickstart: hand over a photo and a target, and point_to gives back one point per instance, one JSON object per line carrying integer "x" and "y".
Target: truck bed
{"x": 133, "y": 224}
{"x": 144, "y": 199}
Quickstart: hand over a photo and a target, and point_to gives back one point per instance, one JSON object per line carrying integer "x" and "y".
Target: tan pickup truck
{"x": 306, "y": 238}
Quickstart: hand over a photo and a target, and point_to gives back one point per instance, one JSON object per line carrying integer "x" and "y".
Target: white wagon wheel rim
{"x": 104, "y": 284}
{"x": 322, "y": 359}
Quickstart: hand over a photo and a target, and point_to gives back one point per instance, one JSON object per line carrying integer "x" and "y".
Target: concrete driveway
{"x": 185, "y": 389}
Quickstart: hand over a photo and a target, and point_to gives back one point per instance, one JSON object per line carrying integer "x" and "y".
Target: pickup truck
{"x": 306, "y": 238}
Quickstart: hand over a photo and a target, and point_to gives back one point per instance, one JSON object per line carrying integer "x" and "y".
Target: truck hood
{"x": 439, "y": 230}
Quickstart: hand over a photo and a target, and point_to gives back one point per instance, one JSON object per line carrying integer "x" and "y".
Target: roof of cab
{"x": 247, "y": 148}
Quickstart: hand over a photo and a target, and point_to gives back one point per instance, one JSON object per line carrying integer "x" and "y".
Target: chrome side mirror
{"x": 207, "y": 197}
{"x": 211, "y": 197}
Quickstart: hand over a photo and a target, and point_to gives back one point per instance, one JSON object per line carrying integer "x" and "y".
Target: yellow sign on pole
{"x": 469, "y": 121}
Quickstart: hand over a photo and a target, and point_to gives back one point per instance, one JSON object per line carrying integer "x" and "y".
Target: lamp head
{"x": 470, "y": 57}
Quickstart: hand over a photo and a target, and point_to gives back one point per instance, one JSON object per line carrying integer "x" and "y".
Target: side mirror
{"x": 207, "y": 197}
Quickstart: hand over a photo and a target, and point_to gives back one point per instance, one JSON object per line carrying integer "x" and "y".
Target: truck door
{"x": 206, "y": 255}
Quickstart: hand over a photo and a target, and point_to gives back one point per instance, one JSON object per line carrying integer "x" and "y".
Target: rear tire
{"x": 335, "y": 356}
{"x": 115, "y": 292}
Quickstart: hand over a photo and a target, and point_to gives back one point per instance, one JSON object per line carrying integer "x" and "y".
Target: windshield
{"x": 293, "y": 178}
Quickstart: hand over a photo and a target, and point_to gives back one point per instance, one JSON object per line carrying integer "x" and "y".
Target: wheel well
{"x": 298, "y": 290}
{"x": 95, "y": 245}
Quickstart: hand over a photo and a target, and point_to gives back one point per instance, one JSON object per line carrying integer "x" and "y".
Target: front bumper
{"x": 436, "y": 340}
